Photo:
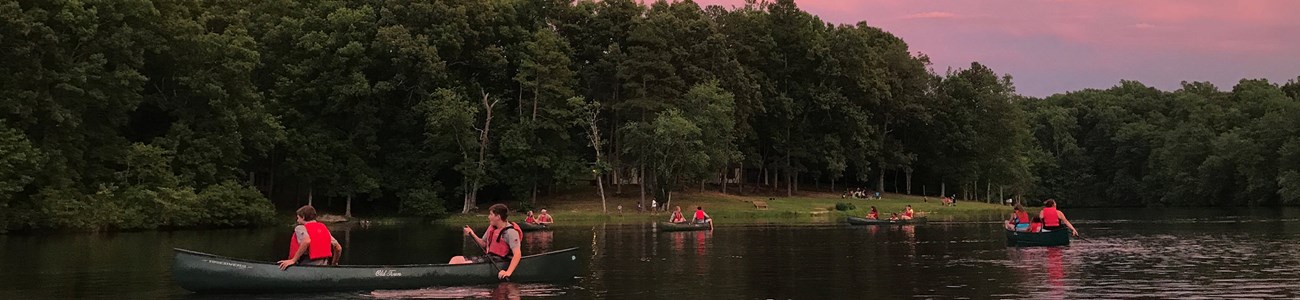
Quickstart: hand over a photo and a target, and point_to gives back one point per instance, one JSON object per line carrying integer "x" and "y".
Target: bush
{"x": 232, "y": 204}
{"x": 841, "y": 206}
{"x": 422, "y": 202}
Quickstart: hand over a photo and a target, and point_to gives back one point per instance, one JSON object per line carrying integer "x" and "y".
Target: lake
{"x": 1165, "y": 253}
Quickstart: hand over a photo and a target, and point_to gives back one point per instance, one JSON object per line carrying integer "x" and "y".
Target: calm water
{"x": 1143, "y": 253}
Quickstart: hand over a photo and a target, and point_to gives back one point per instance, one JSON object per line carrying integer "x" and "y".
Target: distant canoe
{"x": 526, "y": 227}
{"x": 1035, "y": 239}
{"x": 684, "y": 226}
{"x": 865, "y": 221}
{"x": 207, "y": 273}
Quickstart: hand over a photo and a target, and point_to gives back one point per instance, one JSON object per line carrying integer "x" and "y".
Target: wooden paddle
{"x": 488, "y": 258}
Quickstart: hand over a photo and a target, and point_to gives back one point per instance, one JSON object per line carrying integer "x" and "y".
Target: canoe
{"x": 865, "y": 221}
{"x": 526, "y": 227}
{"x": 684, "y": 226}
{"x": 1034, "y": 239}
{"x": 206, "y": 273}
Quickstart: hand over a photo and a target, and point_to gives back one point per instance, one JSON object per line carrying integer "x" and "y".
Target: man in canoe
{"x": 311, "y": 238}
{"x": 677, "y": 216}
{"x": 873, "y": 215}
{"x": 501, "y": 241}
{"x": 908, "y": 213}
{"x": 545, "y": 218}
{"x": 1019, "y": 219}
{"x": 1053, "y": 218}
{"x": 530, "y": 219}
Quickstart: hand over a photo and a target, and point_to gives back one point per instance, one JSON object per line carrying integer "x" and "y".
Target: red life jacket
{"x": 1021, "y": 218}
{"x": 677, "y": 217}
{"x": 544, "y": 218}
{"x": 1049, "y": 217}
{"x": 908, "y": 213}
{"x": 1035, "y": 227}
{"x": 699, "y": 215}
{"x": 530, "y": 219}
{"x": 318, "y": 249}
{"x": 873, "y": 215}
{"x": 495, "y": 244}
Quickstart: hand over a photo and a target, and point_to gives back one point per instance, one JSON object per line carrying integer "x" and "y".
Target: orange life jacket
{"x": 497, "y": 246}
{"x": 1049, "y": 217}
{"x": 320, "y": 241}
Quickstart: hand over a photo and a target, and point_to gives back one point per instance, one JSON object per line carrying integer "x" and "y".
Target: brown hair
{"x": 307, "y": 213}
{"x": 1020, "y": 208}
{"x": 500, "y": 210}
{"x": 1049, "y": 203}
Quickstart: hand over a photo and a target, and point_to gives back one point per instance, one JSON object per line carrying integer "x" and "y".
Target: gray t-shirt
{"x": 300, "y": 231}
{"x": 510, "y": 237}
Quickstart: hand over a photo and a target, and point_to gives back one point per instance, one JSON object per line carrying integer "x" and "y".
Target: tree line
{"x": 137, "y": 114}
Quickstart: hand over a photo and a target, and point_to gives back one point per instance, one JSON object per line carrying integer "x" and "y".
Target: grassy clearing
{"x": 585, "y": 208}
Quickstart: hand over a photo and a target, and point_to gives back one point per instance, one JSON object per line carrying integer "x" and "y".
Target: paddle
{"x": 488, "y": 258}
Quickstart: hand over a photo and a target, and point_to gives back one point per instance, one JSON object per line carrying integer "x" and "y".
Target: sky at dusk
{"x": 1050, "y": 47}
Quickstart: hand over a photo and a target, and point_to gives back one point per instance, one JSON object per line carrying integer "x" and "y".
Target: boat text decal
{"x": 387, "y": 273}
{"x": 229, "y": 264}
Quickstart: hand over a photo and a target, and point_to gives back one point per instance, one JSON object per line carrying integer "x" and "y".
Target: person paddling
{"x": 873, "y": 215}
{"x": 545, "y": 218}
{"x": 501, "y": 242}
{"x": 677, "y": 216}
{"x": 1019, "y": 219}
{"x": 1054, "y": 218}
{"x": 312, "y": 239}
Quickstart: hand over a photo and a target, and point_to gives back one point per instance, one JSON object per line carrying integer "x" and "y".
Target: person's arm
{"x": 302, "y": 248}
{"x": 514, "y": 243}
{"x": 1061, "y": 215}
{"x": 470, "y": 232}
{"x": 338, "y": 251}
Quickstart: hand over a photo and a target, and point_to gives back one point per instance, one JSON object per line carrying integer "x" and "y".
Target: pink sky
{"x": 1056, "y": 46}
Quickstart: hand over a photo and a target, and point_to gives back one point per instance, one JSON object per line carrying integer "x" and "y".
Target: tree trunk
{"x": 309, "y": 192}
{"x": 472, "y": 193}
{"x": 789, "y": 182}
{"x": 832, "y": 184}
{"x": 880, "y": 183}
{"x": 641, "y": 180}
{"x": 348, "y": 211}
{"x": 600, "y": 186}
{"x": 724, "y": 179}
{"x": 909, "y": 182}
{"x": 534, "y": 194}
{"x": 943, "y": 189}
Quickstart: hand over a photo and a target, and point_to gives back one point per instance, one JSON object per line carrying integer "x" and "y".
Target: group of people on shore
{"x": 861, "y": 193}
{"x": 907, "y": 214}
{"x": 1049, "y": 219}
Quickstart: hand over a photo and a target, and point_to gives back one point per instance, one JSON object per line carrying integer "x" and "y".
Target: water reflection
{"x": 502, "y": 291}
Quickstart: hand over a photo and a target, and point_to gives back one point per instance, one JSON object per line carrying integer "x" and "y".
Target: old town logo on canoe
{"x": 387, "y": 273}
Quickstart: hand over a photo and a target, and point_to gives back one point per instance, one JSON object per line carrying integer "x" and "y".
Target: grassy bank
{"x": 582, "y": 208}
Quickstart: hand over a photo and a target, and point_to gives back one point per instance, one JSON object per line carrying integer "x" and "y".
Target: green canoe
{"x": 207, "y": 273}
{"x": 526, "y": 227}
{"x": 684, "y": 226}
{"x": 1034, "y": 239}
{"x": 865, "y": 221}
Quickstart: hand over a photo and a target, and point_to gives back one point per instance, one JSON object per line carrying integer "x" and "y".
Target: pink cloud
{"x": 1050, "y": 46}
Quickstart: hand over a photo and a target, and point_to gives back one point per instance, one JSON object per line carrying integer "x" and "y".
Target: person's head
{"x": 1038, "y": 219}
{"x": 909, "y": 206}
{"x": 543, "y": 211}
{"x": 699, "y": 208}
{"x": 530, "y": 213}
{"x": 1049, "y": 203}
{"x": 678, "y": 208}
{"x": 893, "y": 214}
{"x": 873, "y": 208}
{"x": 1019, "y": 208}
{"x": 498, "y": 213}
{"x": 306, "y": 213}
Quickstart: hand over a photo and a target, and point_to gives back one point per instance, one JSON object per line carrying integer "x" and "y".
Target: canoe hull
{"x": 526, "y": 227}
{"x": 1039, "y": 239}
{"x": 688, "y": 226}
{"x": 207, "y": 273}
{"x": 865, "y": 221}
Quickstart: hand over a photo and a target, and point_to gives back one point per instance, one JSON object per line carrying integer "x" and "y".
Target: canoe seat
{"x": 760, "y": 205}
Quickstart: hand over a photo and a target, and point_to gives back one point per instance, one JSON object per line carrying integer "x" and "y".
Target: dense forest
{"x": 138, "y": 114}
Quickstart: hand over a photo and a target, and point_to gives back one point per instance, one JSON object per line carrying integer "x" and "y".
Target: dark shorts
{"x": 484, "y": 258}
{"x": 314, "y": 262}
